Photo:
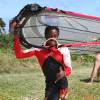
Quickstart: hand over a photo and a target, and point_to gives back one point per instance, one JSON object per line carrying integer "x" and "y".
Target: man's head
{"x": 51, "y": 32}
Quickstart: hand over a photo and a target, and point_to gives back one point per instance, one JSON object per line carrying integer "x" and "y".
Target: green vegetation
{"x": 30, "y": 84}
{"x": 83, "y": 59}
{"x": 6, "y": 42}
{"x": 23, "y": 80}
{"x": 2, "y": 25}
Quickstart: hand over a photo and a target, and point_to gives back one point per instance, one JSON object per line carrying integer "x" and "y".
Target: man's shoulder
{"x": 63, "y": 50}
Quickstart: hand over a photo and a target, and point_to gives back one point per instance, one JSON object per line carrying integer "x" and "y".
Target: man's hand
{"x": 60, "y": 74}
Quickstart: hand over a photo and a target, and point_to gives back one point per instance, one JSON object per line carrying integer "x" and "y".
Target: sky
{"x": 10, "y": 8}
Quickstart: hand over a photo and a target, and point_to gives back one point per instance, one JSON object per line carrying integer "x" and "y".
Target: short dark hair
{"x": 49, "y": 28}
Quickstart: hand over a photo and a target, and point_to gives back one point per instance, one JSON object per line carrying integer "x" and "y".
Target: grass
{"x": 20, "y": 86}
{"x": 23, "y": 80}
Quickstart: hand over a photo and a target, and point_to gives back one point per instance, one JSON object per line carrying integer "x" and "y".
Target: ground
{"x": 29, "y": 85}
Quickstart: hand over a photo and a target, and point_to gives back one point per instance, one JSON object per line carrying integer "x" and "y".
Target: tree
{"x": 2, "y": 25}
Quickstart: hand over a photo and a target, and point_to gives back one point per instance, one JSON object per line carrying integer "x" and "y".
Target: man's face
{"x": 52, "y": 34}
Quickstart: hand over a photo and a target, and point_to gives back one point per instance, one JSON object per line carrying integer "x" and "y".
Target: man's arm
{"x": 22, "y": 53}
{"x": 66, "y": 60}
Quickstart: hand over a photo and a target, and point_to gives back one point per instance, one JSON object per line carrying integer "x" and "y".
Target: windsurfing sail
{"x": 81, "y": 33}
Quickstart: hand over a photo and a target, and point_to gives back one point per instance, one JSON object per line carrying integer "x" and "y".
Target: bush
{"x": 6, "y": 41}
{"x": 82, "y": 58}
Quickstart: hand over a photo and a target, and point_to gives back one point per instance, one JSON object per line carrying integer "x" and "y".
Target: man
{"x": 52, "y": 59}
{"x": 96, "y": 69}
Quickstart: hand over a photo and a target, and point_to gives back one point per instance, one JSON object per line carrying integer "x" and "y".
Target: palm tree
{"x": 2, "y": 25}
